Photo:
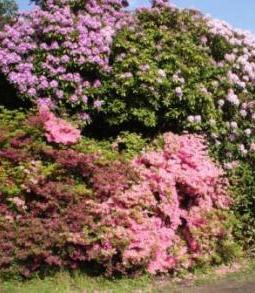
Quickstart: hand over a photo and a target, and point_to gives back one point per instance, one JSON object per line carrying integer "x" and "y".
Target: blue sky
{"x": 239, "y": 13}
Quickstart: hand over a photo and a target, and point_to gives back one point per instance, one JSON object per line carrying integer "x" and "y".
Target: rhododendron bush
{"x": 164, "y": 210}
{"x": 54, "y": 55}
{"x": 179, "y": 70}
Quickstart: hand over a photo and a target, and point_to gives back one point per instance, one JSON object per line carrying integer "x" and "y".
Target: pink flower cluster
{"x": 172, "y": 215}
{"x": 51, "y": 51}
{"x": 58, "y": 130}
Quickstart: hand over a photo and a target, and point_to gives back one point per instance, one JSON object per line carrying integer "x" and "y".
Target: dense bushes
{"x": 163, "y": 211}
{"x": 154, "y": 202}
{"x": 178, "y": 70}
{"x": 242, "y": 182}
{"x": 154, "y": 70}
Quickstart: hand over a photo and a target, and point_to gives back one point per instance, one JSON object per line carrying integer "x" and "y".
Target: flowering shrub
{"x": 56, "y": 54}
{"x": 175, "y": 215}
{"x": 161, "y": 74}
{"x": 179, "y": 70}
{"x": 61, "y": 208}
{"x": 242, "y": 176}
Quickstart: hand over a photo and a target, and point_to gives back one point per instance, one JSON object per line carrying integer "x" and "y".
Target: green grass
{"x": 79, "y": 283}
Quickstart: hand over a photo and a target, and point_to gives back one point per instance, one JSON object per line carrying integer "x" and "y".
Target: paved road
{"x": 224, "y": 286}
{"x": 229, "y": 287}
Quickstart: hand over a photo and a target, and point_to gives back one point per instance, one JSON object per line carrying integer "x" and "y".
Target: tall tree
{"x": 8, "y": 9}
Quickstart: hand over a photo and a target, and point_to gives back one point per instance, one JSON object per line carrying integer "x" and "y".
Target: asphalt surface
{"x": 226, "y": 286}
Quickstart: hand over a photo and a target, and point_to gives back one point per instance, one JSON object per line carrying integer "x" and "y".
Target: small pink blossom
{"x": 179, "y": 92}
{"x": 98, "y": 104}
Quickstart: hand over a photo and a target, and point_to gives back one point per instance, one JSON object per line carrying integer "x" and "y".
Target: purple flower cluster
{"x": 242, "y": 56}
{"x": 238, "y": 101}
{"x": 51, "y": 51}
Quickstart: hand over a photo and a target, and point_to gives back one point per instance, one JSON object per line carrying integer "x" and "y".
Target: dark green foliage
{"x": 9, "y": 96}
{"x": 150, "y": 61}
{"x": 243, "y": 188}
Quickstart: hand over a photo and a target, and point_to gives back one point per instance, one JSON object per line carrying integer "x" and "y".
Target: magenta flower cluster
{"x": 171, "y": 217}
{"x": 58, "y": 130}
{"x": 49, "y": 53}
